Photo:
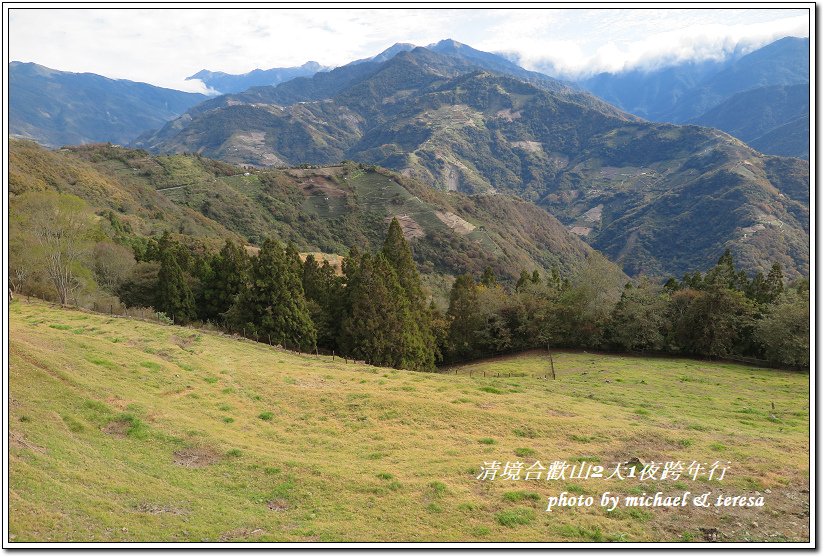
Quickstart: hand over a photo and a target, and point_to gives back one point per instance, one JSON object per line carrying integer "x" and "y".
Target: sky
{"x": 164, "y": 46}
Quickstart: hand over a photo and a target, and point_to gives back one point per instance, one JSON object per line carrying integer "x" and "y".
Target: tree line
{"x": 376, "y": 308}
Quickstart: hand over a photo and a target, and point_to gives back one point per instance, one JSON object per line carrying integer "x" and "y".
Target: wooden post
{"x": 333, "y": 355}
{"x": 552, "y": 365}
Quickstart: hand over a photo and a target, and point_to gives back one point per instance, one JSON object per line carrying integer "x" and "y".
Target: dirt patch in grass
{"x": 117, "y": 402}
{"x": 242, "y": 534}
{"x": 787, "y": 518}
{"x": 196, "y": 457}
{"x": 150, "y": 508}
{"x": 528, "y": 146}
{"x": 456, "y": 223}
{"x": 18, "y": 440}
{"x": 278, "y": 505}
{"x": 183, "y": 342}
{"x": 117, "y": 428}
{"x": 410, "y": 228}
{"x": 321, "y": 186}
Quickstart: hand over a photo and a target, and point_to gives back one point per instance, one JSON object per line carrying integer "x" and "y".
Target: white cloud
{"x": 164, "y": 46}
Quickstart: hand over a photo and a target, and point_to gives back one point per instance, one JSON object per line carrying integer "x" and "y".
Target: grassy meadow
{"x": 124, "y": 430}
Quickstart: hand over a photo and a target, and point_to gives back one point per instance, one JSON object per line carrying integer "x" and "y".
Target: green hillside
{"x": 123, "y": 430}
{"x": 328, "y": 209}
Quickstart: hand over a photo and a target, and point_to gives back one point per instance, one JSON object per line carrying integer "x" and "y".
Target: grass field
{"x": 122, "y": 430}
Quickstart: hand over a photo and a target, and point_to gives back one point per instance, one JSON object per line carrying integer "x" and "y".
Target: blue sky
{"x": 163, "y": 46}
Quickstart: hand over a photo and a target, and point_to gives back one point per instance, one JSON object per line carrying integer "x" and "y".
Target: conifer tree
{"x": 774, "y": 283}
{"x": 272, "y": 305}
{"x": 419, "y": 340}
{"x": 723, "y": 275}
{"x": 174, "y": 296}
{"x": 463, "y": 314}
{"x": 223, "y": 280}
{"x": 324, "y": 296}
{"x": 377, "y": 325}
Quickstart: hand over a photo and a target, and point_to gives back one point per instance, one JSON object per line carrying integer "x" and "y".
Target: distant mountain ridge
{"x": 717, "y": 93}
{"x": 235, "y": 83}
{"x": 58, "y": 108}
{"x": 756, "y": 115}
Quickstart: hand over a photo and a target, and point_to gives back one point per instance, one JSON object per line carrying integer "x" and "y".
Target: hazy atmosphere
{"x": 571, "y": 43}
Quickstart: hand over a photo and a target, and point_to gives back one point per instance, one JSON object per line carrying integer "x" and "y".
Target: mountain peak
{"x": 447, "y": 44}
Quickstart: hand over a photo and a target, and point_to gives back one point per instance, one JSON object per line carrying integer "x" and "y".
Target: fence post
{"x": 552, "y": 364}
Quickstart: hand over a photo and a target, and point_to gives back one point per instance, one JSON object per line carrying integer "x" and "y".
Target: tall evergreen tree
{"x": 174, "y": 296}
{"x": 378, "y": 322}
{"x": 420, "y": 345}
{"x": 774, "y": 284}
{"x": 272, "y": 305}
{"x": 324, "y": 294}
{"x": 223, "y": 280}
{"x": 464, "y": 317}
{"x": 723, "y": 275}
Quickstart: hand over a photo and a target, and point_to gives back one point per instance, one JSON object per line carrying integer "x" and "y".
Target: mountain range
{"x": 694, "y": 92}
{"x": 235, "y": 83}
{"x": 58, "y": 108}
{"x": 657, "y": 198}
